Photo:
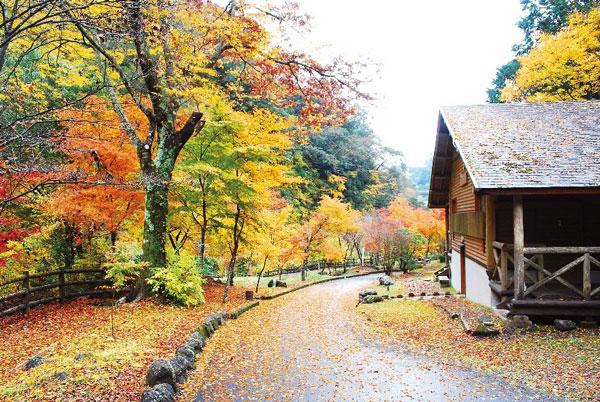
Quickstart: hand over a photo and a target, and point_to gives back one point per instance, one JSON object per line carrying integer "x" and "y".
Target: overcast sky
{"x": 431, "y": 53}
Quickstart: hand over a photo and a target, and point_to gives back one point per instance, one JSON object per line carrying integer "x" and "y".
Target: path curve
{"x": 311, "y": 345}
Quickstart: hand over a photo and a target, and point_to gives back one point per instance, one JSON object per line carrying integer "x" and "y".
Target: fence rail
{"x": 322, "y": 265}
{"x": 29, "y": 296}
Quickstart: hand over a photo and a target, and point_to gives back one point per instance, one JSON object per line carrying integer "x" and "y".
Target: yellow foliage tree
{"x": 561, "y": 67}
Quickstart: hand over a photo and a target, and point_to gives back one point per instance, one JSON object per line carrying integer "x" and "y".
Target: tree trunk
{"x": 155, "y": 233}
{"x": 238, "y": 226}
{"x": 261, "y": 272}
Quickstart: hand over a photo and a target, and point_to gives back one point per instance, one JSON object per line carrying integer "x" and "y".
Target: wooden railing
{"x": 545, "y": 276}
{"x": 533, "y": 260}
{"x": 24, "y": 299}
{"x": 322, "y": 265}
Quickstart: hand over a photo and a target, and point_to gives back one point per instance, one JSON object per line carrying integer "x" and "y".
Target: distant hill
{"x": 421, "y": 176}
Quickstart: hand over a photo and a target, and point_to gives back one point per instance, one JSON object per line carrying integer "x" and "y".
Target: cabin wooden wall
{"x": 462, "y": 200}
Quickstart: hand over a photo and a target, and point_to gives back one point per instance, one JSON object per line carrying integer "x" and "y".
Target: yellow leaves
{"x": 562, "y": 67}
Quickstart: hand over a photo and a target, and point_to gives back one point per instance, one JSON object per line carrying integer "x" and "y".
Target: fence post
{"x": 587, "y": 278}
{"x": 61, "y": 285}
{"x": 27, "y": 295}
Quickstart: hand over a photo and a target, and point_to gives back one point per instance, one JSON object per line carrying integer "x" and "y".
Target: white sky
{"x": 431, "y": 53}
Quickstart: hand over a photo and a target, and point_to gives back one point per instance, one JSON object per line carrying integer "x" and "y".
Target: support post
{"x": 519, "y": 241}
{"x": 490, "y": 230}
{"x": 504, "y": 270}
{"x": 61, "y": 285}
{"x": 587, "y": 278}
{"x": 27, "y": 295}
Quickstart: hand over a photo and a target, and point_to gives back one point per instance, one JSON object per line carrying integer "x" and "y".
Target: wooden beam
{"x": 587, "y": 277}
{"x": 490, "y": 230}
{"x": 519, "y": 241}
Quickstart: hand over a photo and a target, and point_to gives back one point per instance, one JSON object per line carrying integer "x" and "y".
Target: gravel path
{"x": 311, "y": 346}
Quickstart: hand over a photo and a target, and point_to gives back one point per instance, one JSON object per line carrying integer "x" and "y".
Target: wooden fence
{"x": 323, "y": 265}
{"x": 30, "y": 294}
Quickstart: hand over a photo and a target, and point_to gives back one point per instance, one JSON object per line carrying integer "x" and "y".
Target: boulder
{"x": 34, "y": 362}
{"x": 367, "y": 292}
{"x": 222, "y": 317}
{"x": 565, "y": 325}
{"x": 484, "y": 330}
{"x": 205, "y": 330}
{"x": 186, "y": 352}
{"x": 385, "y": 281}
{"x": 159, "y": 393}
{"x": 377, "y": 299}
{"x": 161, "y": 372}
{"x": 213, "y": 320}
{"x": 520, "y": 321}
{"x": 196, "y": 342}
{"x": 588, "y": 324}
{"x": 280, "y": 284}
{"x": 368, "y": 299}
{"x": 271, "y": 283}
{"x": 180, "y": 367}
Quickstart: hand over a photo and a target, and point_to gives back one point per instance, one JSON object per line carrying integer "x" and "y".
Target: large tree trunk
{"x": 155, "y": 233}
{"x": 238, "y": 226}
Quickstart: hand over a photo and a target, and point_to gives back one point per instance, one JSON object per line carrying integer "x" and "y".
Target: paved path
{"x": 311, "y": 346}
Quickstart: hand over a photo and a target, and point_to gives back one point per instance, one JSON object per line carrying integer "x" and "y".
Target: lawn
{"x": 564, "y": 364}
{"x": 85, "y": 361}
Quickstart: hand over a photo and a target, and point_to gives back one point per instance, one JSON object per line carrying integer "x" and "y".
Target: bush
{"x": 180, "y": 282}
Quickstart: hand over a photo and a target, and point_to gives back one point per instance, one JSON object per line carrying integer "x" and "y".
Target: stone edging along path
{"x": 163, "y": 376}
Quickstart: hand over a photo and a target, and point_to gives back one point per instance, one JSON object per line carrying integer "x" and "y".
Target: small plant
{"x": 180, "y": 282}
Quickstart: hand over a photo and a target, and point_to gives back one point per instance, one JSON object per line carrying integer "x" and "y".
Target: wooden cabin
{"x": 520, "y": 184}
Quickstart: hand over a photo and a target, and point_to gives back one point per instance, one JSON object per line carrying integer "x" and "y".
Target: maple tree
{"x": 561, "y": 67}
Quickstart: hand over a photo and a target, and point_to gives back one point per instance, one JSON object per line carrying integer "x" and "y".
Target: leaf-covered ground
{"x": 108, "y": 369}
{"x": 315, "y": 344}
{"x": 563, "y": 364}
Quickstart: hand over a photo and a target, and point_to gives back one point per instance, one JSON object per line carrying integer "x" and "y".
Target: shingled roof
{"x": 521, "y": 145}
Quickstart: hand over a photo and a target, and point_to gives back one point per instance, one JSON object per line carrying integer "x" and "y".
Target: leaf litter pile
{"x": 84, "y": 362}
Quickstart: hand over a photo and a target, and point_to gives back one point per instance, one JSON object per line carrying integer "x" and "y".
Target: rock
{"x": 367, "y": 292}
{"x": 368, "y": 299}
{"x": 411, "y": 294}
{"x": 81, "y": 356}
{"x": 205, "y": 330}
{"x": 423, "y": 294}
{"x": 377, "y": 299}
{"x": 484, "y": 330}
{"x": 187, "y": 353}
{"x": 400, "y": 296}
{"x": 159, "y": 393}
{"x": 487, "y": 321}
{"x": 161, "y": 372}
{"x": 271, "y": 283}
{"x": 222, "y": 317}
{"x": 280, "y": 284}
{"x": 385, "y": 297}
{"x": 520, "y": 321}
{"x": 60, "y": 376}
{"x": 180, "y": 367}
{"x": 196, "y": 342}
{"x": 565, "y": 325}
{"x": 34, "y": 362}
{"x": 213, "y": 320}
{"x": 385, "y": 281}
{"x": 436, "y": 293}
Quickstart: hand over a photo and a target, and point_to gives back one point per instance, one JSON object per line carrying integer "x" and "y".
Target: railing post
{"x": 541, "y": 264}
{"x": 27, "y": 295}
{"x": 504, "y": 270}
{"x": 61, "y": 285}
{"x": 587, "y": 278}
{"x": 519, "y": 243}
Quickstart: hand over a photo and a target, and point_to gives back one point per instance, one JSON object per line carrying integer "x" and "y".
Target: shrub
{"x": 180, "y": 281}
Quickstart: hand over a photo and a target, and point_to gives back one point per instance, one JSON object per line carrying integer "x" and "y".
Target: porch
{"x": 539, "y": 280}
